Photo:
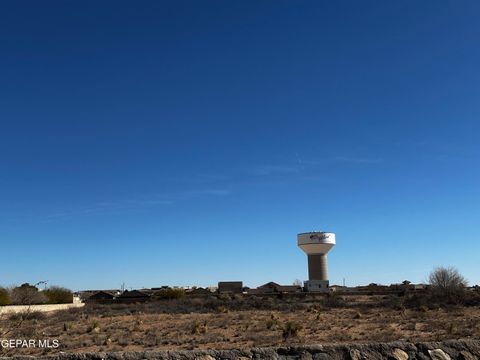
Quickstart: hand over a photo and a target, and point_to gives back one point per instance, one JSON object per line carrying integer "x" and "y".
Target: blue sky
{"x": 186, "y": 142}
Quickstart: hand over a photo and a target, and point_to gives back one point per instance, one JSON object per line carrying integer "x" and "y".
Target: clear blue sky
{"x": 186, "y": 142}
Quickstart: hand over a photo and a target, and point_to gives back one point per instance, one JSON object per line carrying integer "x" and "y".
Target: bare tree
{"x": 4, "y": 297}
{"x": 448, "y": 284}
{"x": 297, "y": 282}
{"x": 27, "y": 294}
{"x": 447, "y": 278}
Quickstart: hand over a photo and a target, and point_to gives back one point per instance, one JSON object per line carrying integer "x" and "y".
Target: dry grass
{"x": 148, "y": 327}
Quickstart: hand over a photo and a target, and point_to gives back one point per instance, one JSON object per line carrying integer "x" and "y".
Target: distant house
{"x": 164, "y": 287}
{"x": 407, "y": 286}
{"x": 233, "y": 287}
{"x": 133, "y": 296}
{"x": 268, "y": 288}
{"x": 101, "y": 296}
{"x": 420, "y": 286}
{"x": 85, "y": 295}
{"x": 373, "y": 287}
{"x": 289, "y": 288}
{"x": 274, "y": 288}
{"x": 149, "y": 292}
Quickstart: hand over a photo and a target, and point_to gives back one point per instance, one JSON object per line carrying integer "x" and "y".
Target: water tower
{"x": 316, "y": 245}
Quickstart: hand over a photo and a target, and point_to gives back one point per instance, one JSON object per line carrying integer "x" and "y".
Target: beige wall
{"x": 43, "y": 308}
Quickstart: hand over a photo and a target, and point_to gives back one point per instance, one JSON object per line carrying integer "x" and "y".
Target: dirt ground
{"x": 139, "y": 328}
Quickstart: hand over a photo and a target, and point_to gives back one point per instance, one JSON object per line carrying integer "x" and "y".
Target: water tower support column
{"x": 317, "y": 267}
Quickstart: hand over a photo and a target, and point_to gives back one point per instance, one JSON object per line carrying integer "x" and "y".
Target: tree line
{"x": 27, "y": 294}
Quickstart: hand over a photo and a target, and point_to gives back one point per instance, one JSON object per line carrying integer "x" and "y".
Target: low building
{"x": 407, "y": 286}
{"x": 160, "y": 288}
{"x": 268, "y": 288}
{"x": 84, "y": 295}
{"x": 289, "y": 289}
{"x": 274, "y": 288}
{"x": 101, "y": 296}
{"x": 133, "y": 296}
{"x": 232, "y": 287}
{"x": 149, "y": 292}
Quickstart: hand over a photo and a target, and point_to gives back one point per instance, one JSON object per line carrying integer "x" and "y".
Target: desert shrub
{"x": 418, "y": 301}
{"x": 206, "y": 304}
{"x": 451, "y": 329}
{"x": 58, "y": 295}
{"x": 224, "y": 297}
{"x": 27, "y": 315}
{"x": 269, "y": 324}
{"x": 93, "y": 327}
{"x": 472, "y": 298}
{"x": 447, "y": 288}
{"x": 4, "y": 297}
{"x": 27, "y": 294}
{"x": 424, "y": 308}
{"x": 333, "y": 300}
{"x": 222, "y": 309}
{"x": 69, "y": 314}
{"x": 394, "y": 302}
{"x": 169, "y": 294}
{"x": 291, "y": 329}
{"x": 199, "y": 327}
{"x": 272, "y": 322}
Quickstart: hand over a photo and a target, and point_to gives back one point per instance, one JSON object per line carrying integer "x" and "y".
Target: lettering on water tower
{"x": 318, "y": 236}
